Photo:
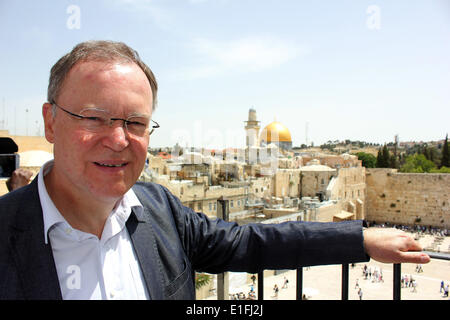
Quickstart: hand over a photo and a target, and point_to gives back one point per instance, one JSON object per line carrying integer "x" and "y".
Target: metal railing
{"x": 223, "y": 213}
{"x": 345, "y": 279}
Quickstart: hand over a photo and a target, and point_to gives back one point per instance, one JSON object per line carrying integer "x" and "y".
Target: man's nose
{"x": 116, "y": 137}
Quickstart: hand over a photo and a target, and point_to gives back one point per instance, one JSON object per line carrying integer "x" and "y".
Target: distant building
{"x": 252, "y": 129}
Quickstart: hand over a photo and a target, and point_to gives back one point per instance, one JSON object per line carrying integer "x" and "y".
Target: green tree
{"x": 383, "y": 157}
{"x": 201, "y": 279}
{"x": 445, "y": 160}
{"x": 393, "y": 161}
{"x": 368, "y": 160}
{"x": 417, "y": 163}
{"x": 386, "y": 157}
{"x": 441, "y": 170}
{"x": 379, "y": 159}
{"x": 432, "y": 154}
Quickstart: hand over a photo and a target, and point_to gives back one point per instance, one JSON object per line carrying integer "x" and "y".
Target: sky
{"x": 328, "y": 70}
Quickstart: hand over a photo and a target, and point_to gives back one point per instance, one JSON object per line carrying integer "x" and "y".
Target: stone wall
{"x": 408, "y": 198}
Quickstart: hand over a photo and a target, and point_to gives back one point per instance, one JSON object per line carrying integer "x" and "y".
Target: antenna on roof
{"x": 306, "y": 132}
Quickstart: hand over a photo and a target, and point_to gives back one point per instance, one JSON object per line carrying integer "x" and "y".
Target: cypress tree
{"x": 426, "y": 152}
{"x": 379, "y": 159}
{"x": 386, "y": 157}
{"x": 445, "y": 161}
{"x": 393, "y": 162}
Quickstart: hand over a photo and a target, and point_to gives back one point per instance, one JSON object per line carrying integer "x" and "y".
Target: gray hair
{"x": 99, "y": 50}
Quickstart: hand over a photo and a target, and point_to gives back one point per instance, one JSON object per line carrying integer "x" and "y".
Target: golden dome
{"x": 270, "y": 132}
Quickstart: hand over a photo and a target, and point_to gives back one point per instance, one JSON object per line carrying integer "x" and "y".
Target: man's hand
{"x": 19, "y": 178}
{"x": 393, "y": 246}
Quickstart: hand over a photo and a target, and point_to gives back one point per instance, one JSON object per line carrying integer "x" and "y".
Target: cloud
{"x": 244, "y": 55}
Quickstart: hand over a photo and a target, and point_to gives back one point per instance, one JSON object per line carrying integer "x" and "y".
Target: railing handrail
{"x": 438, "y": 255}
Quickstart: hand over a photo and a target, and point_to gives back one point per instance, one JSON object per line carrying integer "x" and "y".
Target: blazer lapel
{"x": 33, "y": 258}
{"x": 143, "y": 239}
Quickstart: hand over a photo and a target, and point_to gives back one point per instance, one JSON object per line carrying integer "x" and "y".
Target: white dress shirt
{"x": 89, "y": 267}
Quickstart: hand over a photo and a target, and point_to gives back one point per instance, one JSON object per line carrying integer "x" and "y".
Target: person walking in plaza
{"x": 285, "y": 284}
{"x": 360, "y": 294}
{"x": 275, "y": 291}
{"x": 414, "y": 286}
{"x": 406, "y": 281}
{"x": 419, "y": 268}
{"x": 411, "y": 280}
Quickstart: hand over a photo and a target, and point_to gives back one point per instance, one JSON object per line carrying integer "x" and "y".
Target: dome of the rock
{"x": 275, "y": 132}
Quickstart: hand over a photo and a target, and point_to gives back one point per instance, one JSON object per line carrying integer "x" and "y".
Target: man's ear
{"x": 49, "y": 121}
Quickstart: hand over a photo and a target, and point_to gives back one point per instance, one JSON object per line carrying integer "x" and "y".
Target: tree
{"x": 201, "y": 279}
{"x": 379, "y": 159}
{"x": 418, "y": 163}
{"x": 386, "y": 157}
{"x": 441, "y": 170}
{"x": 393, "y": 161}
{"x": 368, "y": 160}
{"x": 445, "y": 160}
{"x": 383, "y": 157}
{"x": 432, "y": 154}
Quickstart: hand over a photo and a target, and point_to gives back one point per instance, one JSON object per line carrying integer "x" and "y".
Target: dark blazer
{"x": 171, "y": 242}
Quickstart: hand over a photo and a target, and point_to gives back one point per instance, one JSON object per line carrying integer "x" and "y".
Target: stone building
{"x": 315, "y": 179}
{"x": 286, "y": 183}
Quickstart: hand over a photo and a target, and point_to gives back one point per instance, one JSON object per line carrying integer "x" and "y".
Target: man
{"x": 84, "y": 229}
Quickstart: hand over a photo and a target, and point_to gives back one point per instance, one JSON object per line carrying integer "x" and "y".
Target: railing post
{"x": 223, "y": 286}
{"x": 261, "y": 285}
{"x": 397, "y": 281}
{"x": 299, "y": 284}
{"x": 223, "y": 278}
{"x": 344, "y": 292}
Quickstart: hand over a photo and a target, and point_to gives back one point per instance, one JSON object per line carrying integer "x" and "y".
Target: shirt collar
{"x": 52, "y": 216}
{"x": 134, "y": 202}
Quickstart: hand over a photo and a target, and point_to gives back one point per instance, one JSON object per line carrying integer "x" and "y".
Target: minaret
{"x": 252, "y": 129}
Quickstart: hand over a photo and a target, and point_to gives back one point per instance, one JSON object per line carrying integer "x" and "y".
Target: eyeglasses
{"x": 96, "y": 120}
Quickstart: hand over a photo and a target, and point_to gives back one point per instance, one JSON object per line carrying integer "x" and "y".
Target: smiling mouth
{"x": 109, "y": 165}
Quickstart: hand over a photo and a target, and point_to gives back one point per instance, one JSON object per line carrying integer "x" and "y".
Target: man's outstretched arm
{"x": 393, "y": 246}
